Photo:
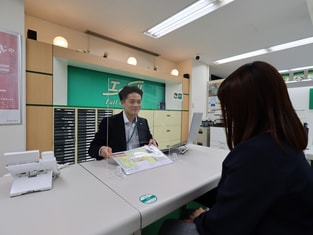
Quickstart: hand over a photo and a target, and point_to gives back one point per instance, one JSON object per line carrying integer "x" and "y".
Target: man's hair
{"x": 127, "y": 90}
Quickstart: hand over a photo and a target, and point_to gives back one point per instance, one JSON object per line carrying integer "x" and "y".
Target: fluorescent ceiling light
{"x": 241, "y": 56}
{"x": 295, "y": 69}
{"x": 310, "y": 7}
{"x": 288, "y": 45}
{"x": 185, "y": 16}
{"x": 280, "y": 47}
{"x": 302, "y": 68}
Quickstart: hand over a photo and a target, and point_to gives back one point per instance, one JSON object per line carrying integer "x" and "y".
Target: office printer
{"x": 30, "y": 172}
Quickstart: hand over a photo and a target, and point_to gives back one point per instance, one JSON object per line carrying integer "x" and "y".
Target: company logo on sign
{"x": 115, "y": 87}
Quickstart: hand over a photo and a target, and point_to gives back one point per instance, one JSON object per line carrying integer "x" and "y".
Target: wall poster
{"x": 10, "y": 78}
{"x": 214, "y": 106}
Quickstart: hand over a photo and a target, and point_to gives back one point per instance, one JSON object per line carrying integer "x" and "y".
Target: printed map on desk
{"x": 140, "y": 159}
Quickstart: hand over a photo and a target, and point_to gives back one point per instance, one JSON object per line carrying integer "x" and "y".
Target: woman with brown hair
{"x": 266, "y": 185}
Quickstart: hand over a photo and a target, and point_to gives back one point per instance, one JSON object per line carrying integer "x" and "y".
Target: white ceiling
{"x": 239, "y": 27}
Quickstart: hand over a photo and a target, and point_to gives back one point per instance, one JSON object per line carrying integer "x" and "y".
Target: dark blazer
{"x": 263, "y": 191}
{"x": 112, "y": 133}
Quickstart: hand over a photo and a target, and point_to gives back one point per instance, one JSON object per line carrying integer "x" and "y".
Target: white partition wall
{"x": 300, "y": 99}
{"x": 13, "y": 137}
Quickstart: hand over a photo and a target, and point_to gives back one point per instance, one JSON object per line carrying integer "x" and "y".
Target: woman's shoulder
{"x": 260, "y": 146}
{"x": 258, "y": 143}
{"x": 263, "y": 148}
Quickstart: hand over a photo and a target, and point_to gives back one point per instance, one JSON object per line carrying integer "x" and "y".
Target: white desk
{"x": 309, "y": 153}
{"x": 77, "y": 204}
{"x": 194, "y": 173}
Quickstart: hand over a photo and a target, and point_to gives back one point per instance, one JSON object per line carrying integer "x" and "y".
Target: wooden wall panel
{"x": 38, "y": 89}
{"x": 39, "y": 123}
{"x": 39, "y": 56}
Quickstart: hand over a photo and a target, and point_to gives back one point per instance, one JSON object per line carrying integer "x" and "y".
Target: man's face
{"x": 132, "y": 104}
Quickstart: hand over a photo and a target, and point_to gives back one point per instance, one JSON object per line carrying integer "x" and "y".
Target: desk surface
{"x": 191, "y": 175}
{"x": 77, "y": 204}
{"x": 309, "y": 153}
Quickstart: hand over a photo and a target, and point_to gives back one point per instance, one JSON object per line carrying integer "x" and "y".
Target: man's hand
{"x": 153, "y": 142}
{"x": 106, "y": 152}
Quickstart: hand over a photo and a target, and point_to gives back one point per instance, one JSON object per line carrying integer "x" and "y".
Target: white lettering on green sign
{"x": 116, "y": 86}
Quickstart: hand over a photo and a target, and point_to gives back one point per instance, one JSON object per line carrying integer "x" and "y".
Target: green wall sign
{"x": 311, "y": 99}
{"x": 90, "y": 88}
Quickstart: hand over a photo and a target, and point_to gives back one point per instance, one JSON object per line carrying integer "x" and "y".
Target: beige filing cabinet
{"x": 167, "y": 128}
{"x": 203, "y": 137}
{"x": 149, "y": 115}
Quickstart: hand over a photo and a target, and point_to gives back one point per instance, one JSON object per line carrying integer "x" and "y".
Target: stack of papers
{"x": 140, "y": 159}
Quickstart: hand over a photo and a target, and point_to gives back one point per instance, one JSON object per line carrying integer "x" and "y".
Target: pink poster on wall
{"x": 9, "y": 78}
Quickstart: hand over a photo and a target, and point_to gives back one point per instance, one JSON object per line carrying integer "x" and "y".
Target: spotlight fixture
{"x": 175, "y": 72}
{"x": 60, "y": 41}
{"x": 132, "y": 60}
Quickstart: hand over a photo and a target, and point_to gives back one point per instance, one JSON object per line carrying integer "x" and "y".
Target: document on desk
{"x": 140, "y": 159}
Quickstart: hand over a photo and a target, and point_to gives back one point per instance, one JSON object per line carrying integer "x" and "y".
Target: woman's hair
{"x": 254, "y": 99}
{"x": 127, "y": 90}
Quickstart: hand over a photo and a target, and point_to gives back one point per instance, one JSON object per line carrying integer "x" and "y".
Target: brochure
{"x": 140, "y": 159}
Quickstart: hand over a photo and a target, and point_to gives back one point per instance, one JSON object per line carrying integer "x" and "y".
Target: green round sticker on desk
{"x": 148, "y": 198}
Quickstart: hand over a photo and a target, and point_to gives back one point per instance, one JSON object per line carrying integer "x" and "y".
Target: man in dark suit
{"x": 122, "y": 131}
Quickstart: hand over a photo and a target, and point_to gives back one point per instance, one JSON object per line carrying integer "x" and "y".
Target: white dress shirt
{"x": 132, "y": 138}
